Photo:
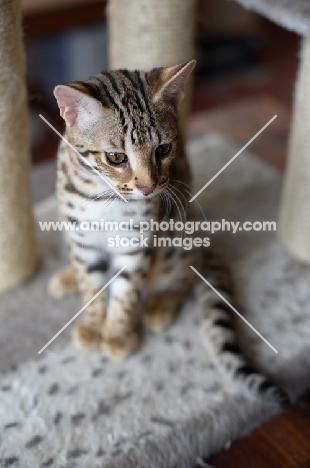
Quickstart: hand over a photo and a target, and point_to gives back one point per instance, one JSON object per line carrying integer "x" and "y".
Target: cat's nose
{"x": 146, "y": 189}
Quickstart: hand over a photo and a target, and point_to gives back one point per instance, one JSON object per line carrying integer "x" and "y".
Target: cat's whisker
{"x": 183, "y": 183}
{"x": 168, "y": 209}
{"x": 178, "y": 203}
{"x": 163, "y": 201}
{"x": 164, "y": 198}
{"x": 191, "y": 194}
{"x": 182, "y": 195}
{"x": 183, "y": 209}
{"x": 178, "y": 208}
{"x": 109, "y": 203}
{"x": 169, "y": 202}
{"x": 172, "y": 201}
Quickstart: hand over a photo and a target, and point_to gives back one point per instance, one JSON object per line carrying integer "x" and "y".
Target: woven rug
{"x": 169, "y": 403}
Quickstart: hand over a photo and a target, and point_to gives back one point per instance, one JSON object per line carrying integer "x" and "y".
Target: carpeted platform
{"x": 169, "y": 403}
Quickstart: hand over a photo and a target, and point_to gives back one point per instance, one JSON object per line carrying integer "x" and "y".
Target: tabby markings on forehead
{"x": 113, "y": 82}
{"x": 136, "y": 88}
{"x": 146, "y": 99}
{"x": 106, "y": 92}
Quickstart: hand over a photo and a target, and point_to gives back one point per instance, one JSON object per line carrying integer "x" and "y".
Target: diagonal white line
{"x": 232, "y": 308}
{"x": 81, "y": 156}
{"x": 233, "y": 158}
{"x": 83, "y": 308}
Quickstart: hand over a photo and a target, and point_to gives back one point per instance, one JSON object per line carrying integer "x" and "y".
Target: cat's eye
{"x": 117, "y": 158}
{"x": 163, "y": 150}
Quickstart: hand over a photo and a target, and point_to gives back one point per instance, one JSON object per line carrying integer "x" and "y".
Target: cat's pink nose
{"x": 147, "y": 189}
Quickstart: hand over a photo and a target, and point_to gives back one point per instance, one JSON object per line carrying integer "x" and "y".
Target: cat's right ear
{"x": 77, "y": 108}
{"x": 169, "y": 83}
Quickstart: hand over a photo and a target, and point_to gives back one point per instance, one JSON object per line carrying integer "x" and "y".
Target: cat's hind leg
{"x": 168, "y": 287}
{"x": 161, "y": 308}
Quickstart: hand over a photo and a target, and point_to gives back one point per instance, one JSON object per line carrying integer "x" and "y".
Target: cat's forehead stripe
{"x": 144, "y": 94}
{"x": 133, "y": 88}
{"x": 113, "y": 82}
{"x": 106, "y": 92}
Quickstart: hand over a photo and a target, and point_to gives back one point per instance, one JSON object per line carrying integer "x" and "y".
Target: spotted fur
{"x": 133, "y": 113}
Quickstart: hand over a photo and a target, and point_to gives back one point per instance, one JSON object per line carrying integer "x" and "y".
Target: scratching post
{"x": 17, "y": 252}
{"x": 152, "y": 33}
{"x": 294, "y": 225}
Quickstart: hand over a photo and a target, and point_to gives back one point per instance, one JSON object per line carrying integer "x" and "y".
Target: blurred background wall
{"x": 240, "y": 56}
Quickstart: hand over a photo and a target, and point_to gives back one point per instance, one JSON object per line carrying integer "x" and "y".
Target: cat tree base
{"x": 169, "y": 403}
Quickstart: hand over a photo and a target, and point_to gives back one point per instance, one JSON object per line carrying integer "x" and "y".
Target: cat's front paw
{"x": 85, "y": 337}
{"x": 63, "y": 282}
{"x": 121, "y": 347}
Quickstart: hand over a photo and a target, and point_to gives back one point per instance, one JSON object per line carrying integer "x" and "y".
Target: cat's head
{"x": 126, "y": 124}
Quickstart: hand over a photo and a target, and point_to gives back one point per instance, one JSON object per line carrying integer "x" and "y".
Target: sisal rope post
{"x": 294, "y": 220}
{"x": 144, "y": 34}
{"x": 17, "y": 250}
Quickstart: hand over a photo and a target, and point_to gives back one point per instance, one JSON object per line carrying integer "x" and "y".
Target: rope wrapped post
{"x": 144, "y": 34}
{"x": 17, "y": 249}
{"x": 294, "y": 220}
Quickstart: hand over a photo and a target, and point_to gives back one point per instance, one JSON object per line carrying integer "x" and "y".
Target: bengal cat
{"x": 131, "y": 164}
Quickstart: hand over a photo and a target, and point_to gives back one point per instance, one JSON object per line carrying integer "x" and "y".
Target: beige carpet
{"x": 169, "y": 404}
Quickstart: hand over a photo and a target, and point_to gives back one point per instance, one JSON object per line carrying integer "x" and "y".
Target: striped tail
{"x": 218, "y": 324}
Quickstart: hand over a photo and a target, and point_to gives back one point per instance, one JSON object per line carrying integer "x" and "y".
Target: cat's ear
{"x": 169, "y": 83}
{"x": 76, "y": 107}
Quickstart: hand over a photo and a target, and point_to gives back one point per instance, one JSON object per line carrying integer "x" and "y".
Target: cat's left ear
{"x": 169, "y": 83}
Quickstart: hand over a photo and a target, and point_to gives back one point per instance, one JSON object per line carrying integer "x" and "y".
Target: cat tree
{"x": 17, "y": 249}
{"x": 143, "y": 34}
{"x": 294, "y": 225}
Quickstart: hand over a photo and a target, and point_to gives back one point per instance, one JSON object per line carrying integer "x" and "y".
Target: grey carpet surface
{"x": 291, "y": 14}
{"x": 169, "y": 403}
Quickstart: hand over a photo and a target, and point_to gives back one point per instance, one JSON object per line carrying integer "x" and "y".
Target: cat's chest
{"x": 104, "y": 220}
{"x": 111, "y": 209}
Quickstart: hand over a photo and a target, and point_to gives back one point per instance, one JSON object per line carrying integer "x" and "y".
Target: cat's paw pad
{"x": 121, "y": 347}
{"x": 159, "y": 311}
{"x": 85, "y": 337}
{"x": 63, "y": 282}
